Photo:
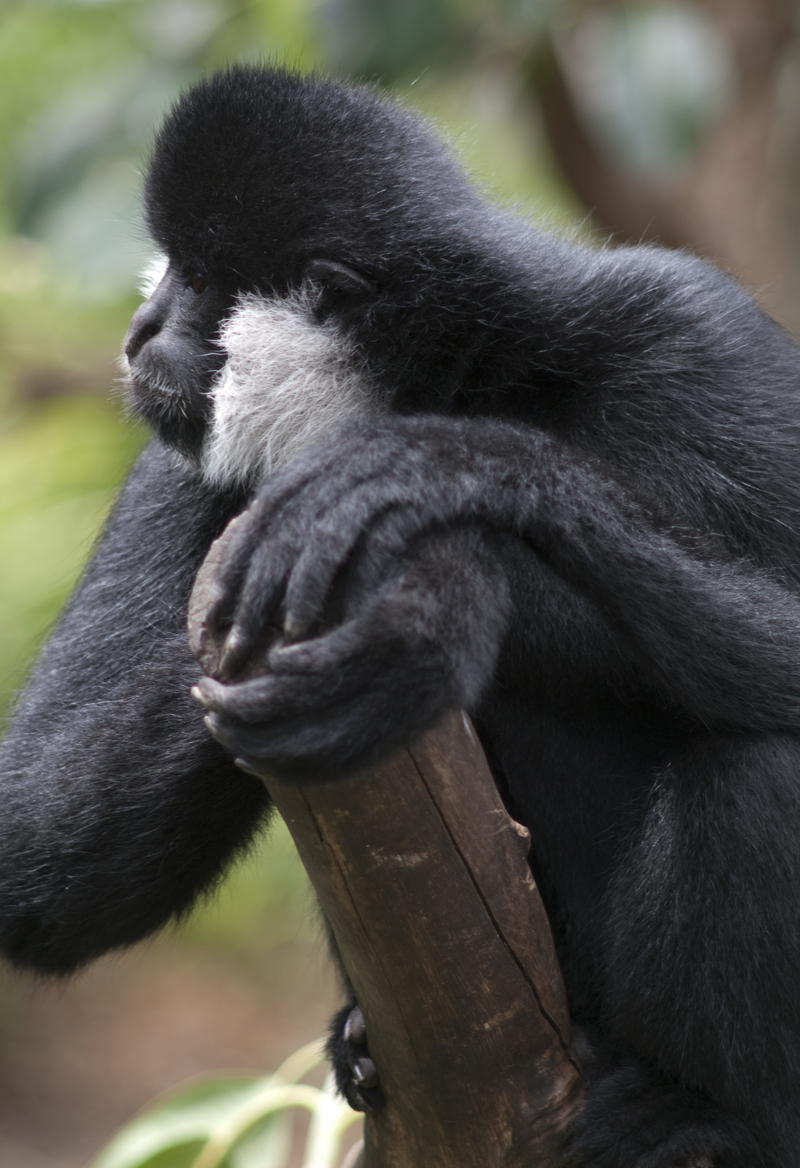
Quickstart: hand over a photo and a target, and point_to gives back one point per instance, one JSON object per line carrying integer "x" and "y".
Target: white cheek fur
{"x": 287, "y": 381}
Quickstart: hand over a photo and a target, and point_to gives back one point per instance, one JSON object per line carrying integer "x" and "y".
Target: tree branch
{"x": 424, "y": 879}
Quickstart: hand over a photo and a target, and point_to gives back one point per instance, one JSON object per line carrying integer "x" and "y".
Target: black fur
{"x": 579, "y": 520}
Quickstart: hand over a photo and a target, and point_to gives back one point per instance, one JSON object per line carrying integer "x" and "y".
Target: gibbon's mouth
{"x": 139, "y": 384}
{"x": 167, "y": 410}
{"x": 184, "y": 389}
{"x": 138, "y": 379}
{"x": 149, "y": 393}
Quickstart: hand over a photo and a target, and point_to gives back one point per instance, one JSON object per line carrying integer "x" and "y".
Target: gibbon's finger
{"x": 320, "y": 480}
{"x": 326, "y": 550}
{"x": 377, "y": 531}
{"x": 257, "y": 606}
{"x": 252, "y": 530}
{"x": 312, "y": 578}
{"x": 348, "y": 726}
{"x": 262, "y": 581}
{"x": 249, "y": 715}
{"x": 267, "y": 698}
{"x": 332, "y": 539}
{"x": 355, "y": 659}
{"x": 231, "y": 572}
{"x": 237, "y": 650}
{"x": 353, "y": 650}
{"x": 384, "y": 517}
{"x": 297, "y": 749}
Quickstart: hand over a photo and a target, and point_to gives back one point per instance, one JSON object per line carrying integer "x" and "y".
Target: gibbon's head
{"x": 299, "y": 221}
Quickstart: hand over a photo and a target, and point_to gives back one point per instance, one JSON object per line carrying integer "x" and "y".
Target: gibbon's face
{"x": 299, "y": 218}
{"x": 239, "y": 382}
{"x": 171, "y": 355}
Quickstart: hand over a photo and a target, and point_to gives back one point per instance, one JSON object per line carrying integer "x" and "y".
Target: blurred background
{"x": 671, "y": 122}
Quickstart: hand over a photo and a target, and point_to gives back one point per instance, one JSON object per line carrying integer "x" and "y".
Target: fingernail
{"x": 355, "y": 1029}
{"x": 231, "y": 654}
{"x": 356, "y": 1100}
{"x": 197, "y": 694}
{"x": 293, "y": 630}
{"x": 234, "y": 640}
{"x": 365, "y": 1073}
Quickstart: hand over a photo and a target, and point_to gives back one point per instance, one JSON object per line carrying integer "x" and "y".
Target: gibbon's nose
{"x": 145, "y": 324}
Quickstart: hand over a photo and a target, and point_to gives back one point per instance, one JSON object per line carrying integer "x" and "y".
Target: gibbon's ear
{"x": 340, "y": 279}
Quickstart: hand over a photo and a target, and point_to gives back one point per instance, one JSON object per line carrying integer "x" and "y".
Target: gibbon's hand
{"x": 423, "y": 640}
{"x": 360, "y": 499}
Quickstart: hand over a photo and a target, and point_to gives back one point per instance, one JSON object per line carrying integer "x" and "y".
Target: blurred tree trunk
{"x": 739, "y": 205}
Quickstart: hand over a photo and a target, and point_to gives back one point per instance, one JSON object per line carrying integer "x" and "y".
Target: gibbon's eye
{"x": 199, "y": 283}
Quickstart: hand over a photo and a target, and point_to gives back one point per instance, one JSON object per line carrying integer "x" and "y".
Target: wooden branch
{"x": 423, "y": 877}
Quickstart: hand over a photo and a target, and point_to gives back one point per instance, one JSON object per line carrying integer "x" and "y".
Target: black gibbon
{"x": 557, "y": 486}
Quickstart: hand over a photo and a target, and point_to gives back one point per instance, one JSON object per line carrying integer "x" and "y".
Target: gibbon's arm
{"x": 118, "y": 806}
{"x": 717, "y": 636}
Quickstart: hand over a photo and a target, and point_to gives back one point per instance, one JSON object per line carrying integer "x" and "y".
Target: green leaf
{"x": 267, "y": 1147}
{"x": 181, "y": 1156}
{"x": 180, "y": 1125}
{"x": 175, "y": 1131}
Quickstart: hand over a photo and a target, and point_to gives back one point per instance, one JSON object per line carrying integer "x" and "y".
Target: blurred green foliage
{"x": 265, "y": 902}
{"x": 238, "y": 1122}
{"x": 59, "y": 468}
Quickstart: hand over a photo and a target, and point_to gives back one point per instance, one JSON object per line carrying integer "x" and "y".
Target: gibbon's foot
{"x": 355, "y": 1071}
